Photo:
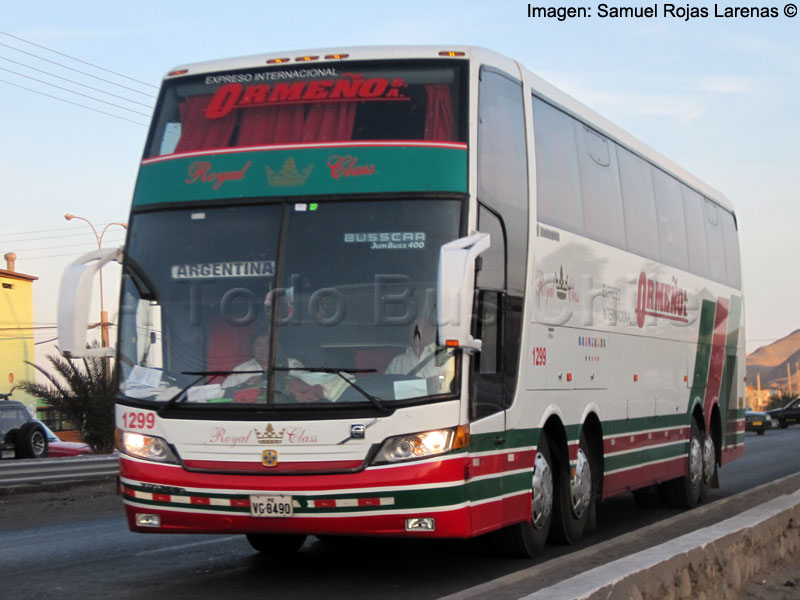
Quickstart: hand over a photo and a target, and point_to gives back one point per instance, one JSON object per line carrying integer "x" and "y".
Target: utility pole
{"x": 759, "y": 404}
{"x": 789, "y": 377}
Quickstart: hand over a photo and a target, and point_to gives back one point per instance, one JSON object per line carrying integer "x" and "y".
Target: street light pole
{"x": 99, "y": 237}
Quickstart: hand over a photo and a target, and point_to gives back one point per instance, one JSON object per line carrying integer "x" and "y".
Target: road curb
{"x": 710, "y": 562}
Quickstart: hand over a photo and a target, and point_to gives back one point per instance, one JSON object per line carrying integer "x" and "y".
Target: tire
{"x": 761, "y": 432}
{"x": 277, "y": 545}
{"x": 709, "y": 467}
{"x": 575, "y": 497}
{"x": 31, "y": 441}
{"x": 526, "y": 540}
{"x": 684, "y": 492}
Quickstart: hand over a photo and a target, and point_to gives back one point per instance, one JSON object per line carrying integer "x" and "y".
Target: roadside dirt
{"x": 782, "y": 582}
{"x": 45, "y": 505}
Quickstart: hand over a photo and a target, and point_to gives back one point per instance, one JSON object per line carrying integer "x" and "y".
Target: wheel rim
{"x": 580, "y": 491}
{"x": 37, "y": 443}
{"x": 709, "y": 460}
{"x": 542, "y": 498}
{"x": 695, "y": 462}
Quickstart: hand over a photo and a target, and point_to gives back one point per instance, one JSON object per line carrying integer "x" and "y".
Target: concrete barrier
{"x": 15, "y": 474}
{"x": 711, "y": 563}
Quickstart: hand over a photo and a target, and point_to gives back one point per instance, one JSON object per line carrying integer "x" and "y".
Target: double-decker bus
{"x": 411, "y": 292}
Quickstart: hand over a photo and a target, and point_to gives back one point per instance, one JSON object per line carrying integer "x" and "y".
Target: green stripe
{"x": 301, "y": 172}
{"x": 637, "y": 425}
{"x": 703, "y": 356}
{"x": 646, "y": 455}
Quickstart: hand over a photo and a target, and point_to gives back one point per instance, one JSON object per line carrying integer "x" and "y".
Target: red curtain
{"x": 271, "y": 125}
{"x": 330, "y": 122}
{"x": 199, "y": 132}
{"x": 325, "y": 122}
{"x": 439, "y": 113}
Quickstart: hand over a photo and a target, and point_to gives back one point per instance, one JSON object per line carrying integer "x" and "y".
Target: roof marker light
{"x": 336, "y": 56}
{"x": 278, "y": 61}
{"x": 451, "y": 53}
{"x": 178, "y": 72}
{"x": 306, "y": 58}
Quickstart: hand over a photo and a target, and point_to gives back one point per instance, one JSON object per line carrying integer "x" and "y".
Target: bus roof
{"x": 538, "y": 86}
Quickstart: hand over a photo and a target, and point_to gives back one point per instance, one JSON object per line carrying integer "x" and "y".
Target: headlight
{"x": 147, "y": 447}
{"x": 422, "y": 445}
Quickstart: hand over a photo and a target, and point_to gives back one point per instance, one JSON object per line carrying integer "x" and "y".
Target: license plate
{"x": 271, "y": 506}
{"x": 7, "y": 454}
{"x": 757, "y": 423}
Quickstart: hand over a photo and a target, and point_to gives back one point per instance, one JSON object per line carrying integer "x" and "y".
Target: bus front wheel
{"x": 526, "y": 540}
{"x": 277, "y": 545}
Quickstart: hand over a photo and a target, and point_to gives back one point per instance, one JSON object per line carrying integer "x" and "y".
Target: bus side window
{"x": 716, "y": 247}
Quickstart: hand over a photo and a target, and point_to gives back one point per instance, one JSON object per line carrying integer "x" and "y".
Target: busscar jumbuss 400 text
{"x": 411, "y": 292}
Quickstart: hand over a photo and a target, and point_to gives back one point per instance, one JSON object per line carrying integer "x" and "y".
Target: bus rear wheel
{"x": 277, "y": 545}
{"x": 526, "y": 540}
{"x": 684, "y": 492}
{"x": 574, "y": 497}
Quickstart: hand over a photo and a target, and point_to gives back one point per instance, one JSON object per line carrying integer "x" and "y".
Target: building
{"x": 16, "y": 331}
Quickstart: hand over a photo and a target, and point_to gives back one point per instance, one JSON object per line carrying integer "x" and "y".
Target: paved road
{"x": 75, "y": 544}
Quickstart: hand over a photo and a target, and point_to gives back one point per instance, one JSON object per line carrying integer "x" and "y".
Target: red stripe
{"x": 249, "y": 467}
{"x": 407, "y": 474}
{"x": 240, "y": 502}
{"x": 324, "y": 503}
{"x": 449, "y": 524}
{"x": 638, "y": 477}
{"x": 200, "y": 501}
{"x": 162, "y": 497}
{"x": 369, "y": 501}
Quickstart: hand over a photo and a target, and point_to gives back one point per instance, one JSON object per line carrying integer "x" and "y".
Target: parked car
{"x": 21, "y": 436}
{"x": 757, "y": 421}
{"x": 56, "y": 447}
{"x": 788, "y": 415}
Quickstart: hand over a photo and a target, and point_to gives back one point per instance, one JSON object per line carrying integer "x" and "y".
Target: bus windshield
{"x": 286, "y": 304}
{"x": 330, "y": 102}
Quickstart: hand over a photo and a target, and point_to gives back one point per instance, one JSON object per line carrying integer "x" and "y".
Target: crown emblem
{"x": 270, "y": 435}
{"x": 561, "y": 284}
{"x": 288, "y": 176}
{"x": 269, "y": 458}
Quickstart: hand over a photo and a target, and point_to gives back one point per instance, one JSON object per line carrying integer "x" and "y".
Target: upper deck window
{"x": 420, "y": 100}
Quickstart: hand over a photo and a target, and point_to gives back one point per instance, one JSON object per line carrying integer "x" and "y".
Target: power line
{"x": 78, "y": 60}
{"x": 53, "y": 62}
{"x": 73, "y": 103}
{"x": 74, "y": 92}
{"x": 16, "y": 62}
{"x": 68, "y": 228}
{"x": 110, "y": 240}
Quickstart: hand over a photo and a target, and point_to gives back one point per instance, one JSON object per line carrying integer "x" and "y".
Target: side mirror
{"x": 74, "y": 300}
{"x": 456, "y": 290}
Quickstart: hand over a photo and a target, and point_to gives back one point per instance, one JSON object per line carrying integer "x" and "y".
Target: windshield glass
{"x": 329, "y": 102}
{"x": 219, "y": 307}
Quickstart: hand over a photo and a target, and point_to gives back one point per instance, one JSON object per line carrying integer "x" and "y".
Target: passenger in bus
{"x": 260, "y": 362}
{"x": 420, "y": 358}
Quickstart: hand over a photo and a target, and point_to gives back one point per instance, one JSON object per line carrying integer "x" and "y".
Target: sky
{"x": 716, "y": 95}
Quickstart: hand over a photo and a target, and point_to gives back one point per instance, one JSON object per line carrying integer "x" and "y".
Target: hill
{"x": 770, "y": 362}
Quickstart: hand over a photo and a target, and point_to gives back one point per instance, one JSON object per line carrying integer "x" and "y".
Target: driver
{"x": 260, "y": 362}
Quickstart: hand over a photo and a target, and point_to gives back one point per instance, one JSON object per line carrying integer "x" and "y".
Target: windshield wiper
{"x": 182, "y": 395}
{"x": 374, "y": 400}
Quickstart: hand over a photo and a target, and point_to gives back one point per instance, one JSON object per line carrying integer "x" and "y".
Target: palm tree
{"x": 84, "y": 396}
